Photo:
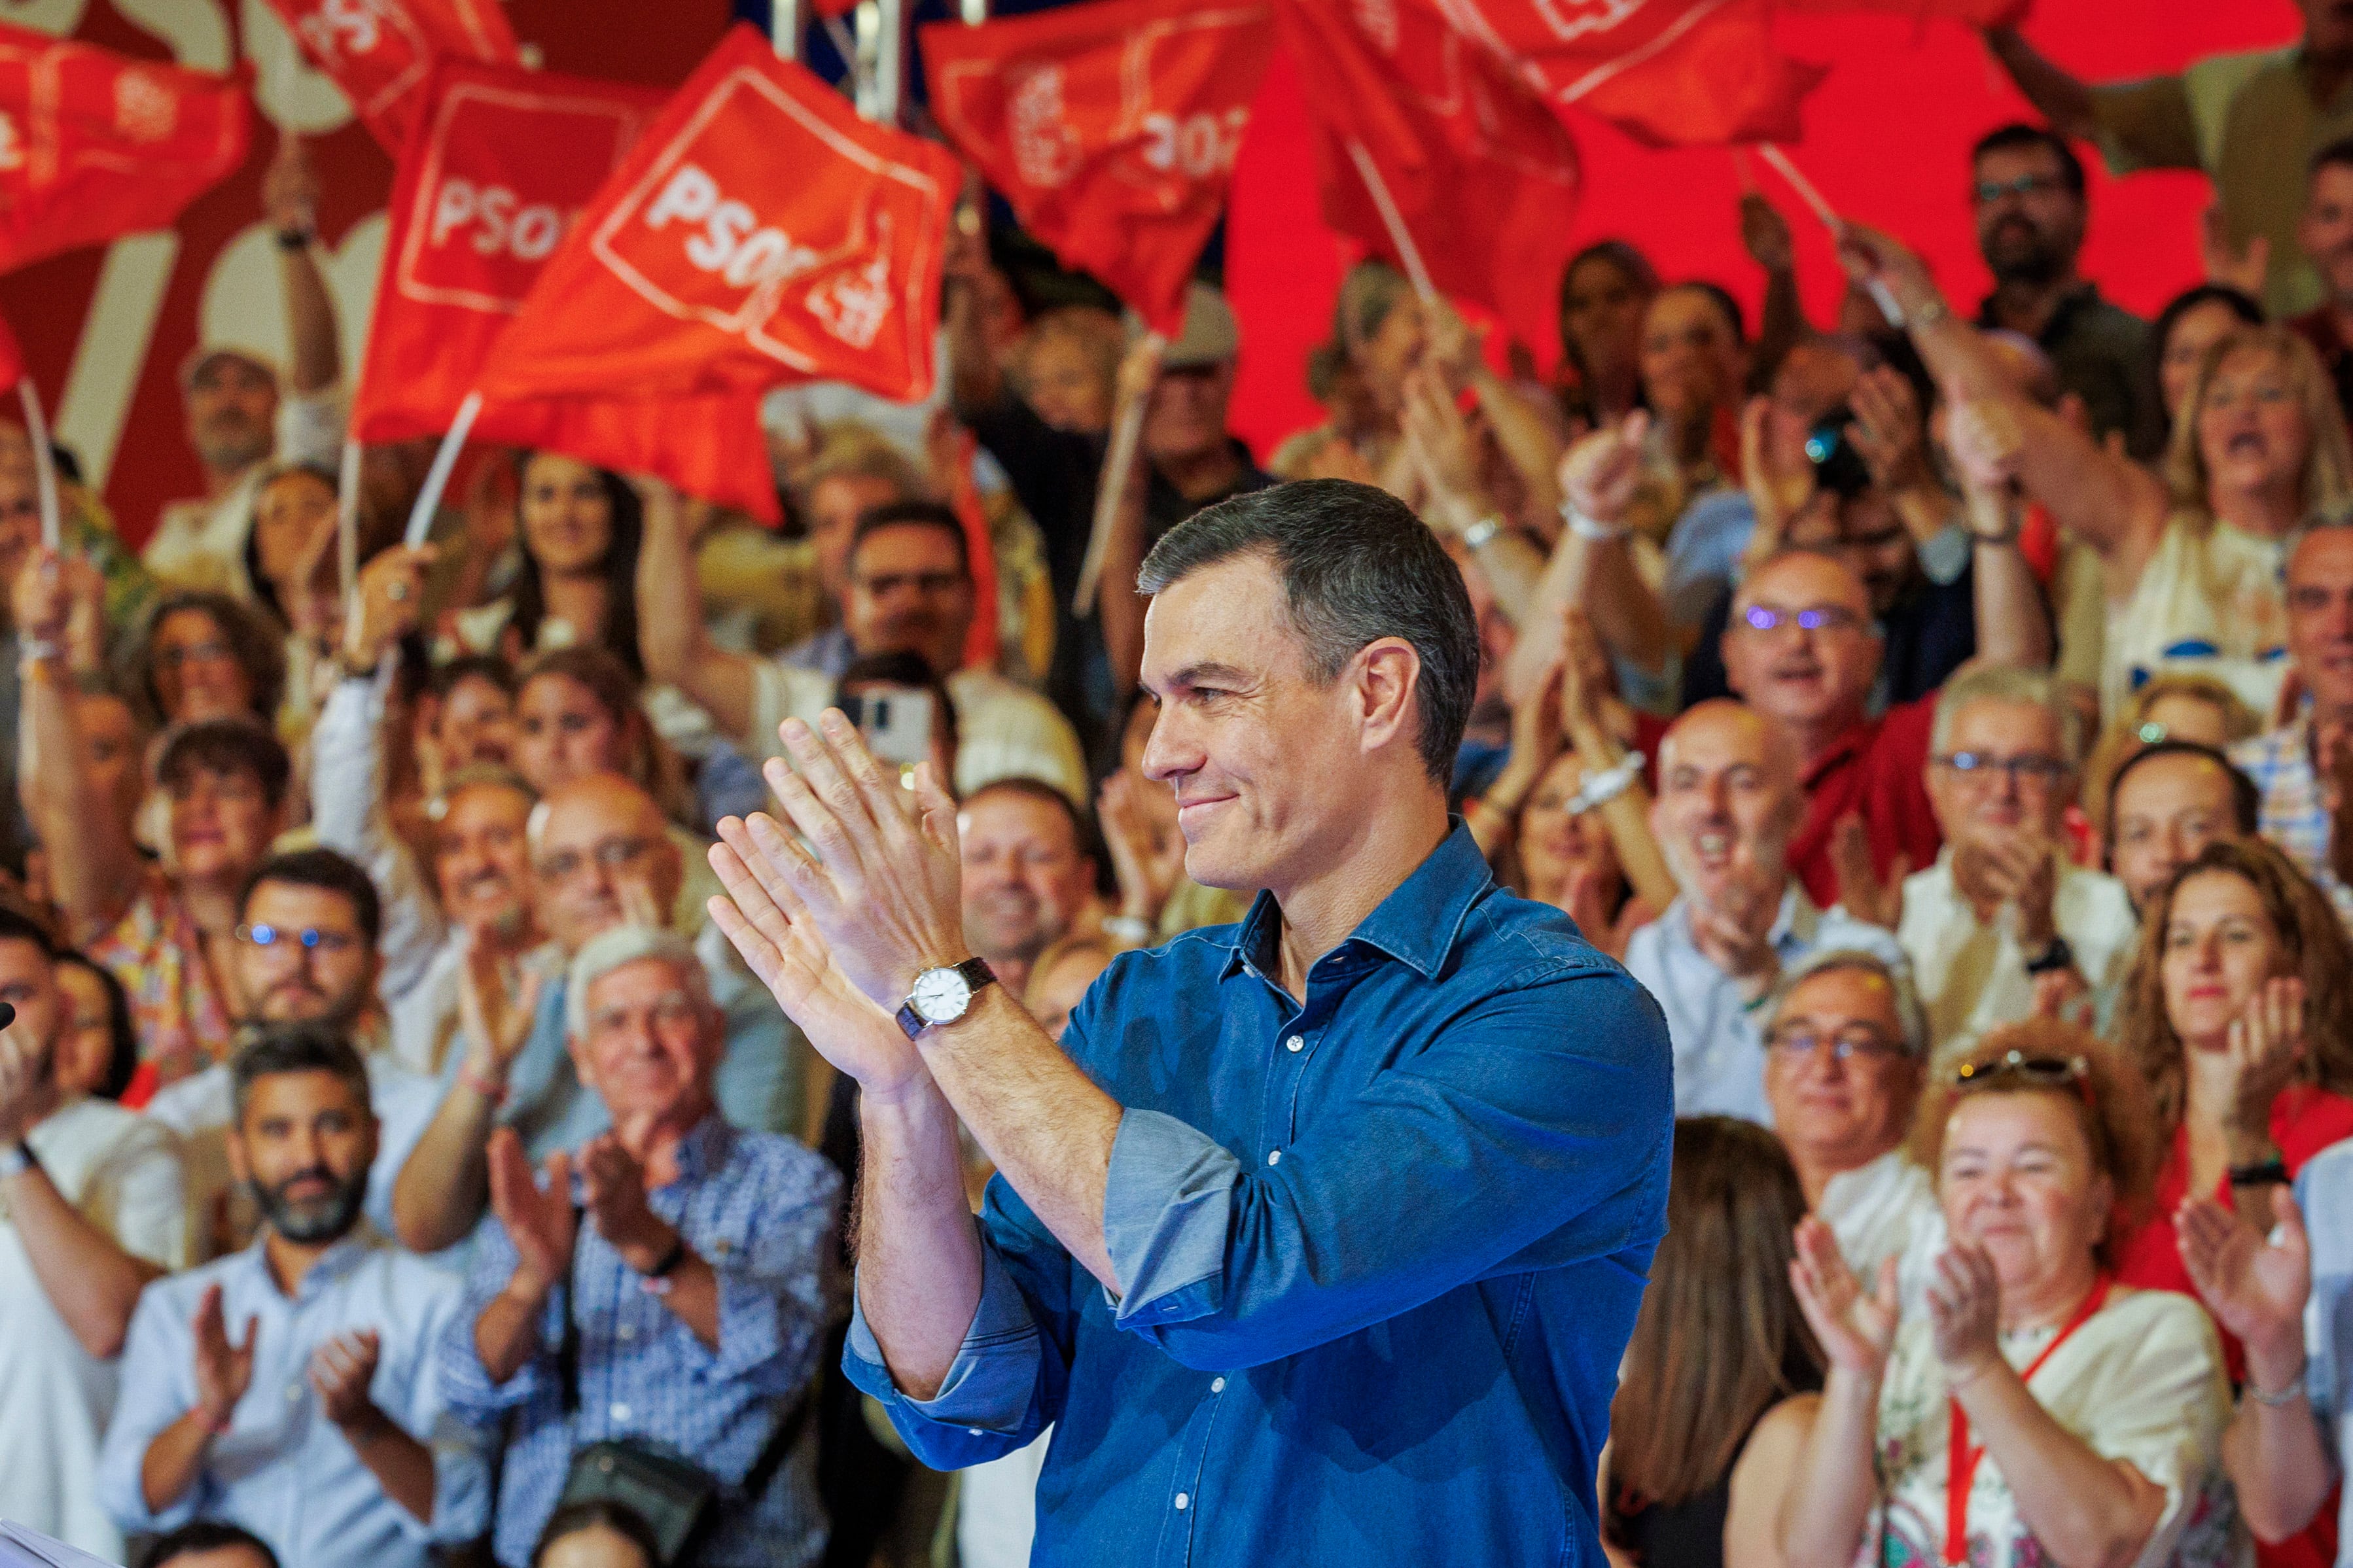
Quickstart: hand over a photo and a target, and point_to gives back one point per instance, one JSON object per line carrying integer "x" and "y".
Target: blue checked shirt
{"x": 760, "y": 1209}
{"x": 2295, "y": 815}
{"x": 1382, "y": 1252}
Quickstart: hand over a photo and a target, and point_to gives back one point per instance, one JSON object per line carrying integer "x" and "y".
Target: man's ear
{"x": 1386, "y": 676}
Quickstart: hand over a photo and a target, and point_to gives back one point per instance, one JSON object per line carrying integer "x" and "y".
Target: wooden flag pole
{"x": 1126, "y": 436}
{"x": 1813, "y": 198}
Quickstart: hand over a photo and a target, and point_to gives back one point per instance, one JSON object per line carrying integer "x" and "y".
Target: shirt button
{"x": 1274, "y": 1156}
{"x": 1294, "y": 1044}
{"x": 1218, "y": 1385}
{"x": 294, "y": 1393}
{"x": 620, "y": 1412}
{"x": 626, "y": 1333}
{"x": 1183, "y": 1502}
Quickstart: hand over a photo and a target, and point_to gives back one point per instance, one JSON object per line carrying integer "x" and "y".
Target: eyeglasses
{"x": 2040, "y": 1072}
{"x": 1990, "y": 190}
{"x": 1980, "y": 767}
{"x": 669, "y": 1012}
{"x": 1819, "y": 619}
{"x": 333, "y": 943}
{"x": 215, "y": 652}
{"x": 611, "y": 855}
{"x": 1860, "y": 1040}
{"x": 929, "y": 584}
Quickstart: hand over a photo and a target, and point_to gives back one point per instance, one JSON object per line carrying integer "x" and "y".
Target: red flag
{"x": 503, "y": 162}
{"x": 93, "y": 145}
{"x": 760, "y": 233}
{"x": 380, "y": 52}
{"x": 1483, "y": 177}
{"x": 1111, "y": 128}
{"x": 12, "y": 357}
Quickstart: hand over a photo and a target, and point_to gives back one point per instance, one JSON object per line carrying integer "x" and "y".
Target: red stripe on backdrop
{"x": 1887, "y": 140}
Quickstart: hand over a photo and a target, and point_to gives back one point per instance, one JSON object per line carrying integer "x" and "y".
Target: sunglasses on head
{"x": 2017, "y": 1066}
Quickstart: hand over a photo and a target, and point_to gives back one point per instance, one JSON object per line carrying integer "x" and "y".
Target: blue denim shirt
{"x": 1382, "y": 1252}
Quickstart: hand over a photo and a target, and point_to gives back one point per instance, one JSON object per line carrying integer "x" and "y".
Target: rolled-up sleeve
{"x": 1550, "y": 1105}
{"x": 465, "y": 1385}
{"x": 155, "y": 1391}
{"x": 993, "y": 1401}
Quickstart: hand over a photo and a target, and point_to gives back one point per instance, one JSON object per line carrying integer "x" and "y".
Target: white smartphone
{"x": 896, "y": 722}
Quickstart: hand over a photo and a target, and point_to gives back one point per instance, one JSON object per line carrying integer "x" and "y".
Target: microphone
{"x": 7, "y": 1015}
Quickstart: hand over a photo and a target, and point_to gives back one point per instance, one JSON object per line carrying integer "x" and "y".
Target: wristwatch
{"x": 2052, "y": 959}
{"x": 945, "y": 994}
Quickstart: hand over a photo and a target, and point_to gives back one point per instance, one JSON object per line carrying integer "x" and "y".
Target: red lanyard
{"x": 1961, "y": 1460}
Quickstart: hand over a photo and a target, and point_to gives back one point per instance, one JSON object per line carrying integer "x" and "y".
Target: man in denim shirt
{"x": 1323, "y": 1242}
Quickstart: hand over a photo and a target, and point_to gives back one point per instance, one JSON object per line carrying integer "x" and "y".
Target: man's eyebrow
{"x": 1208, "y": 672}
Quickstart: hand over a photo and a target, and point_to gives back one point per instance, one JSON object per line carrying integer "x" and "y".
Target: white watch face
{"x": 941, "y": 996}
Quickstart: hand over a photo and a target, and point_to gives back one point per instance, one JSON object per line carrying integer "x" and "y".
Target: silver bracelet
{"x": 1607, "y": 785}
{"x": 1592, "y": 529}
{"x": 1481, "y": 531}
{"x": 2288, "y": 1395}
{"x": 38, "y": 648}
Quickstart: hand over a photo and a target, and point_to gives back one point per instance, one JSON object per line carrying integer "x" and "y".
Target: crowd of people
{"x": 1944, "y": 713}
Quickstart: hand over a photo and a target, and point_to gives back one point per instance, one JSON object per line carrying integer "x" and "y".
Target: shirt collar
{"x": 332, "y": 1265}
{"x": 1417, "y": 924}
{"x": 705, "y": 1148}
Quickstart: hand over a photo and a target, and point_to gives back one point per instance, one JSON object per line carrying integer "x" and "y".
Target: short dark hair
{"x": 203, "y": 1536}
{"x": 1082, "y": 833}
{"x": 1723, "y": 300}
{"x": 1356, "y": 565}
{"x": 2337, "y": 153}
{"x": 122, "y": 1030}
{"x": 227, "y": 746}
{"x": 595, "y": 1513}
{"x": 2018, "y": 133}
{"x": 327, "y": 871}
{"x": 16, "y": 925}
{"x": 448, "y": 678}
{"x": 2246, "y": 796}
{"x": 913, "y": 514}
{"x": 267, "y": 1050}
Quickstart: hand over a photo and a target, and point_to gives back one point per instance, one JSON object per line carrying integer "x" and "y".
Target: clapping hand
{"x": 876, "y": 905}
{"x": 1863, "y": 891}
{"x": 1889, "y": 431}
{"x": 495, "y": 1023}
{"x": 2255, "y": 1286}
{"x": 1148, "y": 854}
{"x": 1601, "y": 473}
{"x": 341, "y": 1369}
{"x": 1964, "y": 1312}
{"x": 2263, "y": 1050}
{"x": 612, "y": 1194}
{"x": 1856, "y": 1328}
{"x": 539, "y": 1220}
{"x": 223, "y": 1369}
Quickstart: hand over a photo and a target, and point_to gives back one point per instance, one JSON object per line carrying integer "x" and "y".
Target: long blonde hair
{"x": 2328, "y": 477}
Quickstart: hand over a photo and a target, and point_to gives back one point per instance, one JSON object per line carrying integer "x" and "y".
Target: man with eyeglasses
{"x": 910, "y": 590}
{"x": 308, "y": 933}
{"x": 1803, "y": 652}
{"x": 2004, "y": 923}
{"x": 1728, "y": 801}
{"x": 669, "y": 1283}
{"x": 1846, "y": 1054}
{"x": 600, "y": 860}
{"x": 2027, "y": 187}
{"x": 2304, "y": 768}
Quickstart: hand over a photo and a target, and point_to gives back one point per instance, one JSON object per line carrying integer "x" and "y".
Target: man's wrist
{"x": 367, "y": 1425}
{"x": 2245, "y": 1146}
{"x": 649, "y": 1245}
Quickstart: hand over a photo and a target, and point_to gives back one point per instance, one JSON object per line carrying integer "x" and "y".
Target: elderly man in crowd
{"x": 2303, "y": 767}
{"x": 307, "y": 952}
{"x": 599, "y": 860}
{"x": 1726, "y": 805}
{"x": 2168, "y": 801}
{"x": 290, "y": 1387}
{"x": 2004, "y": 918}
{"x": 1846, "y": 1054}
{"x": 910, "y": 590}
{"x": 90, "y": 1210}
{"x": 667, "y": 1285}
{"x": 1802, "y": 652}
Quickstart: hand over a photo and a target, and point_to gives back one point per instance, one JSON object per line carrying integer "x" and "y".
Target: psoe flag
{"x": 380, "y": 52}
{"x": 503, "y": 162}
{"x": 93, "y": 145}
{"x": 761, "y": 233}
{"x": 1111, "y": 127}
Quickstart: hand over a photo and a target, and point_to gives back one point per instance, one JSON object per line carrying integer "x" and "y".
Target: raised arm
{"x": 1592, "y": 568}
{"x": 93, "y": 863}
{"x": 1766, "y": 235}
{"x": 1530, "y": 441}
{"x": 290, "y": 198}
{"x": 1824, "y": 1513}
{"x": 2056, "y": 95}
{"x": 2013, "y": 620}
{"x": 1116, "y": 600}
{"x": 677, "y": 649}
{"x": 1454, "y": 500}
{"x": 446, "y": 1180}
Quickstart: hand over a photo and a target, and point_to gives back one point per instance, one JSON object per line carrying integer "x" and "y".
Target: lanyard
{"x": 1961, "y": 1460}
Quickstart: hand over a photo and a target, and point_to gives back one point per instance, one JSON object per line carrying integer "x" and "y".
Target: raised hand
{"x": 1862, "y": 892}
{"x": 221, "y": 1369}
{"x": 2264, "y": 1048}
{"x": 289, "y": 189}
{"x": 1147, "y": 854}
{"x": 2240, "y": 266}
{"x": 2255, "y": 1286}
{"x": 2022, "y": 872}
{"x": 768, "y": 923}
{"x": 1600, "y": 473}
{"x": 1765, "y": 233}
{"x": 538, "y": 1219}
{"x": 1454, "y": 348}
{"x": 1983, "y": 440}
{"x": 1965, "y": 1312}
{"x": 40, "y": 598}
{"x": 613, "y": 1196}
{"x": 1443, "y": 445}
{"x": 496, "y": 1025}
{"x": 1889, "y": 430}
{"x": 1856, "y": 1328}
{"x": 389, "y": 602}
{"x": 342, "y": 1368}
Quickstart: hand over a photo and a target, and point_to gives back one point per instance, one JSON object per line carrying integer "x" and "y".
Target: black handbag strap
{"x": 772, "y": 1453}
